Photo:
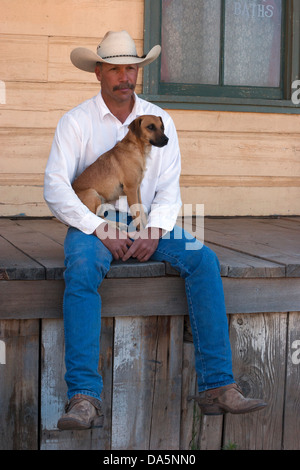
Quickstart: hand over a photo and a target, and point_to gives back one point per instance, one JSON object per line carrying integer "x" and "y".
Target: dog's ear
{"x": 135, "y": 126}
{"x": 162, "y": 123}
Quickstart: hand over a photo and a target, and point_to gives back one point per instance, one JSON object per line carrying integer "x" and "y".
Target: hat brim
{"x": 85, "y": 59}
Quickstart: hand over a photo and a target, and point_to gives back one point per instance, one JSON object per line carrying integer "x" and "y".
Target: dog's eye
{"x": 151, "y": 127}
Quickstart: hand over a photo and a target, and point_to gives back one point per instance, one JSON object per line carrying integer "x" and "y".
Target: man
{"x": 91, "y": 244}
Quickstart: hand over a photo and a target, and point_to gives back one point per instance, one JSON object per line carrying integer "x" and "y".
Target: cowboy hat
{"x": 115, "y": 48}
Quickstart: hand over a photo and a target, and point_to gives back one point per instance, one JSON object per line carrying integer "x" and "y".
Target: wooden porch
{"x": 147, "y": 354}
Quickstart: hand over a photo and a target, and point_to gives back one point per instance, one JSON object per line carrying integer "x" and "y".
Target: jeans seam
{"x": 195, "y": 329}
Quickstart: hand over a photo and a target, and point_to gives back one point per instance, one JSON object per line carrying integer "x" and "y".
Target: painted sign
{"x": 254, "y": 10}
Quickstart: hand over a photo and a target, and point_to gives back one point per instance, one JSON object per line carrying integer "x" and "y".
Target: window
{"x": 237, "y": 53}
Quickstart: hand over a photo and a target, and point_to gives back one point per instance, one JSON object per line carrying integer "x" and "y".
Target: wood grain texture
{"x": 133, "y": 381}
{"x": 266, "y": 239}
{"x": 146, "y": 357}
{"x": 147, "y": 383}
{"x": 72, "y": 18}
{"x": 259, "y": 367}
{"x": 233, "y": 162}
{"x": 19, "y": 387}
{"x": 291, "y": 430}
{"x": 54, "y": 391}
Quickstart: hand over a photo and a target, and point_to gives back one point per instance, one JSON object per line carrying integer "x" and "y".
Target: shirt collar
{"x": 136, "y": 110}
{"x": 103, "y": 109}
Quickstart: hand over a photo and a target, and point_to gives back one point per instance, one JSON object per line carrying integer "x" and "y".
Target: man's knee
{"x": 210, "y": 258}
{"x": 203, "y": 259}
{"x": 86, "y": 259}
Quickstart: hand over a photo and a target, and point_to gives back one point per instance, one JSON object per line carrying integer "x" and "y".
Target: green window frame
{"x": 230, "y": 98}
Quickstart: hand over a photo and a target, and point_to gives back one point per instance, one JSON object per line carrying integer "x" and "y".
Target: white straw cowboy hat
{"x": 115, "y": 48}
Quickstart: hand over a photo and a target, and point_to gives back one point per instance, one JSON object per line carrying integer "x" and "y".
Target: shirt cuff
{"x": 88, "y": 223}
{"x": 164, "y": 217}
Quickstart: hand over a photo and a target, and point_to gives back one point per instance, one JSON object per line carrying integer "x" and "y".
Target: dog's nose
{"x": 163, "y": 141}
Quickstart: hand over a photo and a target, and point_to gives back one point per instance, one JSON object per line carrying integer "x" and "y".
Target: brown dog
{"x": 120, "y": 170}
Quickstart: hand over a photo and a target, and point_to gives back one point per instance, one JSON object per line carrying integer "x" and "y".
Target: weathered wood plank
{"x": 227, "y": 181}
{"x": 53, "y": 396}
{"x": 133, "y": 269}
{"x": 252, "y": 236}
{"x": 295, "y": 219}
{"x": 219, "y": 201}
{"x": 19, "y": 388}
{"x": 291, "y": 429}
{"x": 200, "y": 432}
{"x": 49, "y": 17}
{"x": 45, "y": 251}
{"x": 233, "y": 263}
{"x": 161, "y": 296}
{"x": 147, "y": 383}
{"x": 211, "y": 432}
{"x": 135, "y": 347}
{"x": 43, "y": 299}
{"x": 25, "y": 149}
{"x": 241, "y": 265}
{"x": 31, "y": 299}
{"x": 234, "y": 153}
{"x": 289, "y": 223}
{"x": 259, "y": 353}
{"x": 190, "y": 416}
{"x": 244, "y": 201}
{"x": 261, "y": 295}
{"x": 16, "y": 265}
{"x": 23, "y": 57}
{"x": 165, "y": 422}
{"x": 106, "y": 365}
{"x": 51, "y": 228}
{"x": 248, "y": 123}
{"x": 37, "y": 246}
{"x": 53, "y": 387}
{"x": 23, "y": 201}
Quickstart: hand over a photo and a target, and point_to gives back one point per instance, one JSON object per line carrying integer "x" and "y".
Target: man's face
{"x": 117, "y": 81}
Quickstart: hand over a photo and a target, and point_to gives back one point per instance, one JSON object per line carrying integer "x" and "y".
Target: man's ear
{"x": 135, "y": 126}
{"x": 98, "y": 72}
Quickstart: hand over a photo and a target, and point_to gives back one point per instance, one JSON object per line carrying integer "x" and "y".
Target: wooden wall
{"x": 233, "y": 163}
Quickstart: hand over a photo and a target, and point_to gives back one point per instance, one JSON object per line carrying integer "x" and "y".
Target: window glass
{"x": 252, "y": 43}
{"x": 190, "y": 41}
{"x": 221, "y": 42}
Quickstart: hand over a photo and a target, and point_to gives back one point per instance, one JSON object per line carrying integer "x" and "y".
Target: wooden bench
{"x": 146, "y": 355}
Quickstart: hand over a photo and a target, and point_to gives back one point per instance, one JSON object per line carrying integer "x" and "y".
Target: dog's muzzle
{"x": 160, "y": 142}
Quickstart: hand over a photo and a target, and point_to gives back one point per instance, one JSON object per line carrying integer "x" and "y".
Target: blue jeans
{"x": 87, "y": 262}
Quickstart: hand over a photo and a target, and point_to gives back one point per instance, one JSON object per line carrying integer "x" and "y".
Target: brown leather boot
{"x": 227, "y": 399}
{"x": 82, "y": 412}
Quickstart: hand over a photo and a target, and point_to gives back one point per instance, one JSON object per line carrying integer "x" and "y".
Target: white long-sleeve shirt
{"x": 85, "y": 133}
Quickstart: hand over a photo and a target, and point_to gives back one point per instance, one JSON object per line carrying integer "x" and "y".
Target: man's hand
{"x": 116, "y": 242}
{"x": 144, "y": 245}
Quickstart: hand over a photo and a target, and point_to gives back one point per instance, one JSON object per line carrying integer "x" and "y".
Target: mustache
{"x": 123, "y": 86}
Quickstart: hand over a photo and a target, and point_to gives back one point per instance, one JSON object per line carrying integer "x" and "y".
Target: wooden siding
{"x": 232, "y": 162}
